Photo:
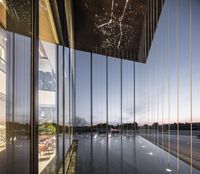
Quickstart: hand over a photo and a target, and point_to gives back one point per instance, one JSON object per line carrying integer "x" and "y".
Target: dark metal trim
{"x": 121, "y": 92}
{"x": 91, "y": 90}
{"x": 34, "y": 88}
{"x": 63, "y": 100}
{"x": 69, "y": 92}
{"x": 107, "y": 95}
{"x": 134, "y": 97}
{"x": 74, "y": 104}
{"x": 57, "y": 106}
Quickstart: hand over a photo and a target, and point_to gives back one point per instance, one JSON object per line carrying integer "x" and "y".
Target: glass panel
{"x": 15, "y": 61}
{"x": 51, "y": 99}
{"x": 47, "y": 107}
{"x": 60, "y": 104}
{"x": 83, "y": 92}
{"x": 72, "y": 92}
{"x": 66, "y": 99}
{"x": 127, "y": 96}
{"x": 164, "y": 88}
{"x": 99, "y": 93}
{"x": 15, "y": 101}
{"x": 184, "y": 82}
{"x": 3, "y": 78}
{"x": 114, "y": 95}
{"x": 195, "y": 82}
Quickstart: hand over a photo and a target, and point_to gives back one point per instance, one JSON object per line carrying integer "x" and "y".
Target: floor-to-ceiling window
{"x": 166, "y": 86}
{"x": 55, "y": 93}
{"x": 18, "y": 74}
{"x": 15, "y": 86}
{"x": 47, "y": 104}
{"x": 49, "y": 98}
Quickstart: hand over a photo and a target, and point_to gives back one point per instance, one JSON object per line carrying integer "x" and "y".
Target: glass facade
{"x": 15, "y": 87}
{"x": 106, "y": 85}
{"x": 166, "y": 85}
{"x": 48, "y": 120}
{"x": 124, "y": 114}
{"x": 55, "y": 74}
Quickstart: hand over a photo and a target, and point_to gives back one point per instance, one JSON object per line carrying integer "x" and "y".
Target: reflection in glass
{"x": 47, "y": 107}
{"x": 127, "y": 96}
{"x": 114, "y": 93}
{"x": 99, "y": 93}
{"x": 83, "y": 92}
{"x": 66, "y": 101}
{"x": 2, "y": 90}
{"x": 14, "y": 102}
{"x": 167, "y": 85}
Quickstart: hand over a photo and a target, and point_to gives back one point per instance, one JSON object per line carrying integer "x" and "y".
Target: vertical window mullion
{"x": 34, "y": 87}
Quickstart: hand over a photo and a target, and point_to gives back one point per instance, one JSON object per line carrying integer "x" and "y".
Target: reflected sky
{"x": 156, "y": 81}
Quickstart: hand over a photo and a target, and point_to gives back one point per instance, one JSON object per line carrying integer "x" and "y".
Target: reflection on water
{"x": 118, "y": 154}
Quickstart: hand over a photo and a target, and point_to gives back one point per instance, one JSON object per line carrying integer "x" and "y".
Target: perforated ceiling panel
{"x": 118, "y": 28}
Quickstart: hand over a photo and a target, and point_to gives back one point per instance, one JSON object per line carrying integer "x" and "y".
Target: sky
{"x": 159, "y": 94}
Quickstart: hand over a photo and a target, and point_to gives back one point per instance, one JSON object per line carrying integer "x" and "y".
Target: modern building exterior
{"x": 106, "y": 87}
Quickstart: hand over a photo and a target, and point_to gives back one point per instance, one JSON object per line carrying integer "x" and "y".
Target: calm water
{"x": 125, "y": 155}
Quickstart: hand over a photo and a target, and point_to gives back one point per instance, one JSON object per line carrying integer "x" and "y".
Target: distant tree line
{"x": 174, "y": 126}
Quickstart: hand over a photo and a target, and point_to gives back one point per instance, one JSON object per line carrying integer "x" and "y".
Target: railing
{"x": 70, "y": 159}
{"x": 2, "y": 65}
{"x": 2, "y": 97}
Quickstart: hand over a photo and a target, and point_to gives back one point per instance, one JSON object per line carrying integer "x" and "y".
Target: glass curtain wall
{"x": 106, "y": 85}
{"x": 166, "y": 86}
{"x": 47, "y": 104}
{"x": 49, "y": 130}
{"x": 56, "y": 69}
{"x": 55, "y": 77}
{"x": 15, "y": 86}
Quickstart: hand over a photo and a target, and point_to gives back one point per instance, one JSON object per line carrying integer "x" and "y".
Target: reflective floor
{"x": 125, "y": 155}
{"x": 167, "y": 140}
